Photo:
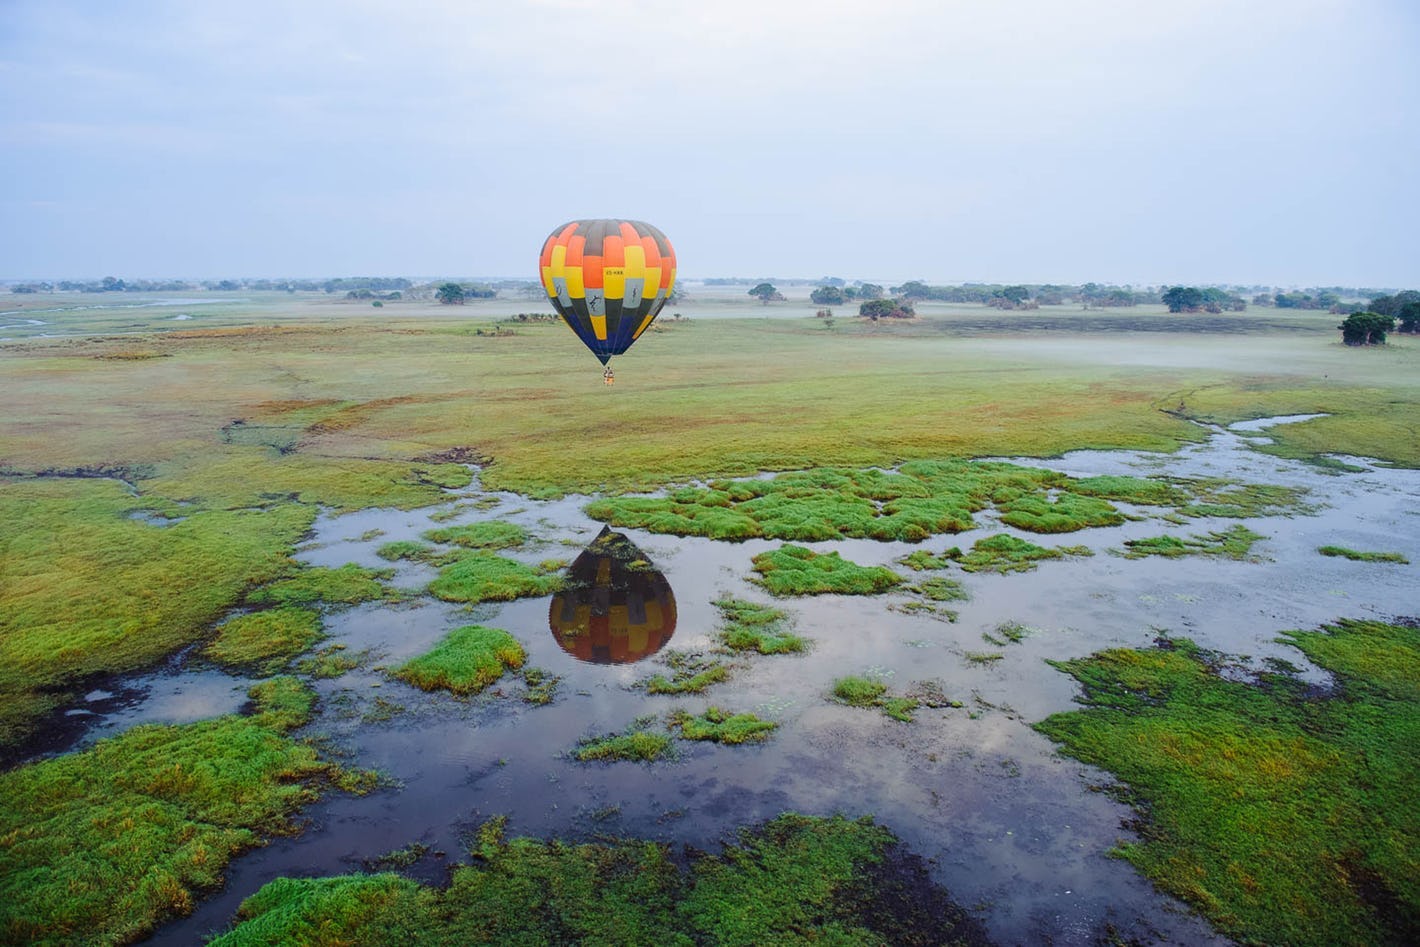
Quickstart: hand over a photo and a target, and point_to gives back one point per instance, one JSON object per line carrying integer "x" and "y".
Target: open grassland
{"x": 151, "y": 480}
{"x": 1283, "y": 816}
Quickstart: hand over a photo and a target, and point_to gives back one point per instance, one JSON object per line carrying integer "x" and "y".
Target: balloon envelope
{"x": 607, "y": 279}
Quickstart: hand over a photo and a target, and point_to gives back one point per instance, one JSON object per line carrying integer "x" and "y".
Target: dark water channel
{"x": 1017, "y": 833}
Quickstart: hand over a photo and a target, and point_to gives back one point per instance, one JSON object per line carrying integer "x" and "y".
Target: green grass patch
{"x": 489, "y": 534}
{"x": 265, "y": 640}
{"x": 1062, "y": 513}
{"x": 348, "y": 585}
{"x": 541, "y": 686}
{"x": 983, "y": 657}
{"x": 330, "y": 661}
{"x": 103, "y": 845}
{"x": 1235, "y": 542}
{"x": 795, "y": 570}
{"x": 466, "y": 661}
{"x": 638, "y": 742}
{"x": 1283, "y": 817}
{"x": 721, "y": 726}
{"x": 1004, "y": 553}
{"x": 691, "y": 673}
{"x": 796, "y": 880}
{"x": 406, "y": 549}
{"x": 487, "y": 577}
{"x": 748, "y": 626}
{"x": 1357, "y": 556}
{"x": 856, "y": 691}
{"x": 940, "y": 589}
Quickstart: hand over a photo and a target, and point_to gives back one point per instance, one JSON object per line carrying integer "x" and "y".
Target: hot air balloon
{"x": 616, "y": 607}
{"x": 608, "y": 279}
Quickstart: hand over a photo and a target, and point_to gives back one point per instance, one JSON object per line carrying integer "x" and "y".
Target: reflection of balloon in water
{"x": 616, "y": 607}
{"x": 608, "y": 279}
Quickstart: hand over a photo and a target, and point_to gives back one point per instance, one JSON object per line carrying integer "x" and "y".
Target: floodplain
{"x": 331, "y": 497}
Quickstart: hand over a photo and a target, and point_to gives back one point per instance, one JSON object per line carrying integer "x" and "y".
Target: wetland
{"x": 342, "y": 618}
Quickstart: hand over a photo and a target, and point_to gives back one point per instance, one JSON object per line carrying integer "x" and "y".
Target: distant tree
{"x": 870, "y": 291}
{"x": 913, "y": 289}
{"x": 450, "y": 294}
{"x": 112, "y": 284}
{"x": 827, "y": 296}
{"x": 1366, "y": 328}
{"x": 1410, "y": 317}
{"x": 1262, "y": 299}
{"x": 765, "y": 292}
{"x": 1392, "y": 305}
{"x": 1296, "y": 301}
{"x": 1183, "y": 298}
{"x": 876, "y": 309}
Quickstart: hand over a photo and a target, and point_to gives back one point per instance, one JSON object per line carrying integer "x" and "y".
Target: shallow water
{"x": 1016, "y": 832}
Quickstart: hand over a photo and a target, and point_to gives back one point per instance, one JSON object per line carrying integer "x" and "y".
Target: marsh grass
{"x": 858, "y": 691}
{"x": 488, "y": 534}
{"x": 940, "y": 589}
{"x": 467, "y": 660}
{"x": 691, "y": 673}
{"x": 1004, "y": 553}
{"x": 1357, "y": 556}
{"x": 484, "y": 576}
{"x": 348, "y": 585}
{"x": 104, "y": 844}
{"x": 796, "y": 879}
{"x": 638, "y": 742}
{"x": 406, "y": 549}
{"x": 749, "y": 626}
{"x": 1282, "y": 816}
{"x": 265, "y": 640}
{"x": 541, "y": 686}
{"x": 721, "y": 726}
{"x": 796, "y": 570}
{"x": 1235, "y": 542}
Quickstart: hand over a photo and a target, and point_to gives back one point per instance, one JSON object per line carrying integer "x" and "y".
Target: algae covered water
{"x": 1017, "y": 833}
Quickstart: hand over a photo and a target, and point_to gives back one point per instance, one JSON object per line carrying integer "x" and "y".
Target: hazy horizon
{"x": 1263, "y": 143}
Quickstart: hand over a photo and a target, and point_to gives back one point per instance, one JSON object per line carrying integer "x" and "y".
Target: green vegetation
{"x": 1005, "y": 553}
{"x": 405, "y": 549}
{"x": 1285, "y": 818}
{"x": 798, "y": 879}
{"x": 637, "y": 743}
{"x": 748, "y": 626}
{"x": 541, "y": 686}
{"x": 867, "y": 692}
{"x": 330, "y": 661}
{"x": 487, "y": 577}
{"x": 795, "y": 570}
{"x": 940, "y": 589}
{"x": 1235, "y": 542}
{"x": 1009, "y": 632}
{"x": 348, "y": 585}
{"x": 466, "y": 661}
{"x": 691, "y": 673}
{"x": 1356, "y": 556}
{"x": 489, "y": 534}
{"x": 1063, "y": 513}
{"x": 721, "y": 726}
{"x": 265, "y": 640}
{"x": 104, "y": 844}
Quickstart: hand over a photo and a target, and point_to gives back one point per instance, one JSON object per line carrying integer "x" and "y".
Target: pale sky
{"x": 1248, "y": 141}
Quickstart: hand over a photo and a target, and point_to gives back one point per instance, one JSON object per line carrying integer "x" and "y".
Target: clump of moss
{"x": 541, "y": 686}
{"x": 721, "y": 726}
{"x": 1356, "y": 556}
{"x": 489, "y": 534}
{"x": 1235, "y": 542}
{"x": 1009, "y": 632}
{"x": 488, "y": 577}
{"x": 1004, "y": 553}
{"x": 1140, "y": 491}
{"x": 747, "y": 626}
{"x": 406, "y": 549}
{"x": 265, "y": 640}
{"x": 637, "y": 743}
{"x": 1283, "y": 817}
{"x": 348, "y": 585}
{"x": 330, "y": 661}
{"x": 1227, "y": 498}
{"x": 867, "y": 692}
{"x": 107, "y": 843}
{"x": 1064, "y": 513}
{"x": 795, "y": 570}
{"x": 466, "y": 661}
{"x": 691, "y": 673}
{"x": 940, "y": 589}
{"x": 795, "y": 879}
{"x": 920, "y": 560}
